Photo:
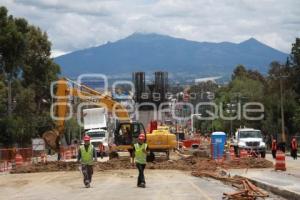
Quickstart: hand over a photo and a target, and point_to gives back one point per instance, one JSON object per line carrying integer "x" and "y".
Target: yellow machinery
{"x": 126, "y": 131}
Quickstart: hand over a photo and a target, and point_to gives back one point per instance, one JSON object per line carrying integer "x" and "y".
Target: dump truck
{"x": 95, "y": 125}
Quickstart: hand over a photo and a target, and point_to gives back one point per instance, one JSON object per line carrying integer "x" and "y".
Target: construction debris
{"x": 246, "y": 190}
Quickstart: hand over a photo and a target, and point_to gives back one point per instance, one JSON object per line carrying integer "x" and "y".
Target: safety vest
{"x": 101, "y": 148}
{"x": 87, "y": 156}
{"x": 140, "y": 156}
{"x": 274, "y": 146}
{"x": 294, "y": 144}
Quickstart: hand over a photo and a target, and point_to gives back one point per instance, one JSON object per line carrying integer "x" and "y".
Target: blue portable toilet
{"x": 218, "y": 141}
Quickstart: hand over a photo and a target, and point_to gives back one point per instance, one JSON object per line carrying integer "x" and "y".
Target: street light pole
{"x": 192, "y": 120}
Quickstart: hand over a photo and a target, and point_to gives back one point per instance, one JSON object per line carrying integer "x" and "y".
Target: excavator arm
{"x": 62, "y": 98}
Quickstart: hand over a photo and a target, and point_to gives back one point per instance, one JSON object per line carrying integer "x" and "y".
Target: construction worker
{"x": 101, "y": 150}
{"x": 294, "y": 148}
{"x": 87, "y": 155}
{"x": 274, "y": 148}
{"x": 139, "y": 155}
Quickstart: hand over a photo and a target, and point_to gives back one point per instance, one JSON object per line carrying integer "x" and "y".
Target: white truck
{"x": 249, "y": 139}
{"x": 95, "y": 125}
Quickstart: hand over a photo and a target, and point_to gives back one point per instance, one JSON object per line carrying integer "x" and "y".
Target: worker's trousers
{"x": 87, "y": 171}
{"x": 141, "y": 177}
{"x": 274, "y": 154}
{"x": 294, "y": 153}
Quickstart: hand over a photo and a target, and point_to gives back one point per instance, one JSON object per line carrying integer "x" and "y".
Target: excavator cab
{"x": 126, "y": 133}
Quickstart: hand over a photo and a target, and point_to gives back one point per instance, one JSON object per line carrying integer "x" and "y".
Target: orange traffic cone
{"x": 68, "y": 154}
{"x": 243, "y": 153}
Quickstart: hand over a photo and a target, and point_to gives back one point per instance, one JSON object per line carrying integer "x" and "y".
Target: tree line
{"x": 280, "y": 85}
{"x": 26, "y": 71}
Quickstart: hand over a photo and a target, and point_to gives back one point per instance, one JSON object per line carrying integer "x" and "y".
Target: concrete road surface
{"x": 161, "y": 185}
{"x": 292, "y": 166}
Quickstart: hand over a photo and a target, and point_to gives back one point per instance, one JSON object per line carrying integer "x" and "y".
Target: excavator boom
{"x": 62, "y": 98}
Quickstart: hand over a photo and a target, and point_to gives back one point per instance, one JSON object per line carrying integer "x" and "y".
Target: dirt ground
{"x": 189, "y": 163}
{"x": 176, "y": 181}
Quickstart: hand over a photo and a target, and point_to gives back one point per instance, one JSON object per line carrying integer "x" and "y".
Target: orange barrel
{"x": 68, "y": 154}
{"x": 280, "y": 161}
{"x": 19, "y": 159}
{"x": 243, "y": 153}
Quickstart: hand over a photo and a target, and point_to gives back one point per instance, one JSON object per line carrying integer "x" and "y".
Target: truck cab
{"x": 250, "y": 140}
{"x": 99, "y": 136}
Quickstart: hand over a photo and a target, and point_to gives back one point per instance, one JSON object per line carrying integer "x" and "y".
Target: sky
{"x": 78, "y": 24}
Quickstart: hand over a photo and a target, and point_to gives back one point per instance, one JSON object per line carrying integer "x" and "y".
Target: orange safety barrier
{"x": 9, "y": 154}
{"x": 43, "y": 157}
{"x": 190, "y": 142}
{"x": 5, "y": 166}
{"x": 12, "y": 157}
{"x": 69, "y": 152}
{"x": 280, "y": 161}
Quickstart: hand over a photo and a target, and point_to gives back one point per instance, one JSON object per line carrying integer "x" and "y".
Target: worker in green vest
{"x": 139, "y": 155}
{"x": 87, "y": 155}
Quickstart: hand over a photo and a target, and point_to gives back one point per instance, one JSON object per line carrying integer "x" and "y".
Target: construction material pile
{"x": 190, "y": 163}
{"x": 246, "y": 190}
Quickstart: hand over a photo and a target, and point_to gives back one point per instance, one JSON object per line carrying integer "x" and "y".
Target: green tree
{"x": 39, "y": 70}
{"x": 295, "y": 57}
{"x": 12, "y": 44}
{"x": 26, "y": 68}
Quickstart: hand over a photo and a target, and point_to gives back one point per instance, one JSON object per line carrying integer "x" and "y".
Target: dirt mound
{"x": 46, "y": 167}
{"x": 187, "y": 164}
{"x": 71, "y": 166}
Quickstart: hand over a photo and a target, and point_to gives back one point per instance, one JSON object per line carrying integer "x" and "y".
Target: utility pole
{"x": 283, "y": 137}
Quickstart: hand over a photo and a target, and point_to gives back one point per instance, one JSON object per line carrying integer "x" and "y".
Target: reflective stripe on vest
{"x": 86, "y": 156}
{"x": 140, "y": 156}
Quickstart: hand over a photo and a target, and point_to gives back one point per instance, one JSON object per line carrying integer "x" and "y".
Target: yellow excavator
{"x": 125, "y": 133}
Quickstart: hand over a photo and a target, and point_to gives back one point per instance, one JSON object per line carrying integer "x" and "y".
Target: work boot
{"x": 87, "y": 184}
{"x": 143, "y": 185}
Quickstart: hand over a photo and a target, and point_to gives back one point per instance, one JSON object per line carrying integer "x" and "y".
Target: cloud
{"x": 77, "y": 24}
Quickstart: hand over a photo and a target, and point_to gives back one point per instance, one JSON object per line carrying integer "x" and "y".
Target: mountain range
{"x": 181, "y": 57}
